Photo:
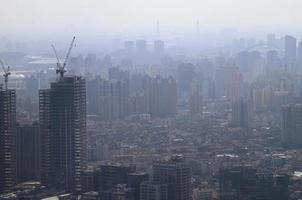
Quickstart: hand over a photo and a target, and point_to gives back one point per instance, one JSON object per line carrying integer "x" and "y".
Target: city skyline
{"x": 92, "y": 18}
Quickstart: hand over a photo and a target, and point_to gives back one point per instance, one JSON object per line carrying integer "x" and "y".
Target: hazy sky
{"x": 129, "y": 16}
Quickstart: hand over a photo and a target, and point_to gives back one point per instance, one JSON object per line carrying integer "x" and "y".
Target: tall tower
{"x": 7, "y": 139}
{"x": 63, "y": 123}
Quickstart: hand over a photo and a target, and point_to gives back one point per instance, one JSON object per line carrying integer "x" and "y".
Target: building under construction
{"x": 7, "y": 139}
{"x": 63, "y": 126}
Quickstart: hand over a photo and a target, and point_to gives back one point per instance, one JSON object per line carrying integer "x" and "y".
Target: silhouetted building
{"x": 154, "y": 191}
{"x": 129, "y": 46}
{"x": 113, "y": 174}
{"x": 159, "y": 47}
{"x": 90, "y": 180}
{"x": 160, "y": 95}
{"x": 240, "y": 113}
{"x": 196, "y": 98}
{"x": 290, "y": 47}
{"x": 246, "y": 183}
{"x": 121, "y": 191}
{"x": 292, "y": 125}
{"x": 28, "y": 145}
{"x": 93, "y": 96}
{"x": 195, "y": 103}
{"x": 177, "y": 172}
{"x": 186, "y": 74}
{"x": 63, "y": 125}
{"x": 7, "y": 139}
{"x": 134, "y": 181}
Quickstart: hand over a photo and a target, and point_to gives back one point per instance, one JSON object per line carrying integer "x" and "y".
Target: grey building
{"x": 63, "y": 126}
{"x": 7, "y": 139}
{"x": 174, "y": 172}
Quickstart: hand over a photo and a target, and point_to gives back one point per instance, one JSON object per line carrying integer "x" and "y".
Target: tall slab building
{"x": 7, "y": 139}
{"x": 63, "y": 127}
{"x": 176, "y": 174}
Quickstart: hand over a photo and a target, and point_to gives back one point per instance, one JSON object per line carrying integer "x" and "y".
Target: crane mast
{"x": 61, "y": 67}
{"x": 6, "y": 73}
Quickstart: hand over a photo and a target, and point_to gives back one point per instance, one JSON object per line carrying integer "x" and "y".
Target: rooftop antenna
{"x": 61, "y": 66}
{"x": 6, "y": 73}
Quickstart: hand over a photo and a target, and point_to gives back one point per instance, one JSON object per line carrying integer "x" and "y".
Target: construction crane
{"x": 6, "y": 71}
{"x": 61, "y": 67}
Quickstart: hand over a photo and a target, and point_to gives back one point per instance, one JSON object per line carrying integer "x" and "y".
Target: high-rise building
{"x": 113, "y": 174}
{"x": 175, "y": 171}
{"x": 290, "y": 47}
{"x": 112, "y": 99}
{"x": 44, "y": 122}
{"x": 195, "y": 103}
{"x": 134, "y": 181}
{"x": 292, "y": 125}
{"x": 246, "y": 183}
{"x": 159, "y": 47}
{"x": 299, "y": 55}
{"x": 28, "y": 154}
{"x": 160, "y": 95}
{"x": 223, "y": 81}
{"x": 93, "y": 96}
{"x": 272, "y": 62}
{"x": 186, "y": 74}
{"x": 154, "y": 191}
{"x": 121, "y": 191}
{"x": 240, "y": 113}
{"x": 7, "y": 139}
{"x": 63, "y": 126}
{"x": 196, "y": 98}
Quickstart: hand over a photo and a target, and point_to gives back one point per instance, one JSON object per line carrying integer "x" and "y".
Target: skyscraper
{"x": 160, "y": 95}
{"x": 63, "y": 122}
{"x": 292, "y": 125}
{"x": 7, "y": 139}
{"x": 245, "y": 182}
{"x": 290, "y": 47}
{"x": 113, "y": 174}
{"x": 177, "y": 172}
{"x": 154, "y": 191}
{"x": 159, "y": 47}
{"x": 134, "y": 181}
{"x": 129, "y": 46}
{"x": 28, "y": 150}
{"x": 195, "y": 98}
{"x": 240, "y": 113}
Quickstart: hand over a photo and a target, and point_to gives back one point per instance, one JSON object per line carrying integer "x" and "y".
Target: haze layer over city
{"x": 151, "y": 100}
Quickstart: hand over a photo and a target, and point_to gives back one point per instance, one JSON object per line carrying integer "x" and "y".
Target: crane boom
{"x": 2, "y": 64}
{"x": 57, "y": 57}
{"x": 68, "y": 52}
{"x": 61, "y": 67}
{"x": 6, "y": 73}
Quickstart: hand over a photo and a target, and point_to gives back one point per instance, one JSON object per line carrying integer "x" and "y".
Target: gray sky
{"x": 129, "y": 16}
